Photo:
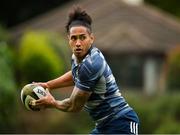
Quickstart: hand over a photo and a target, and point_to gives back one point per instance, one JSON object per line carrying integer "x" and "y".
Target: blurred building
{"x": 134, "y": 37}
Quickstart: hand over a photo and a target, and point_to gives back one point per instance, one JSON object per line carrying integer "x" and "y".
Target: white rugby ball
{"x": 30, "y": 93}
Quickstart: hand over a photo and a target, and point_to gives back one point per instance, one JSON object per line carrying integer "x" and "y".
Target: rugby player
{"x": 95, "y": 88}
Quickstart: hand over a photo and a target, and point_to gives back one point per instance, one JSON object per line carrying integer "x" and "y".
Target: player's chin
{"x": 78, "y": 54}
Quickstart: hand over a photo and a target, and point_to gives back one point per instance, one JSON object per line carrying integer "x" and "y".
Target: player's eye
{"x": 73, "y": 38}
{"x": 82, "y": 37}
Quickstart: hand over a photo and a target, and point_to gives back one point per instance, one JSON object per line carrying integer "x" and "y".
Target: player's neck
{"x": 79, "y": 59}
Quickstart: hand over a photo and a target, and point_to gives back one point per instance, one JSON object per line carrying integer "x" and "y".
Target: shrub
{"x": 38, "y": 61}
{"x": 61, "y": 46}
{"x": 174, "y": 68}
{"x": 158, "y": 114}
{"x": 168, "y": 126}
{"x": 4, "y": 35}
{"x": 7, "y": 90}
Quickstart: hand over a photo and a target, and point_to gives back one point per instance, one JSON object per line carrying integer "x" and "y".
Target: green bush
{"x": 38, "y": 60}
{"x": 158, "y": 114}
{"x": 169, "y": 126}
{"x": 8, "y": 88}
{"x": 4, "y": 35}
{"x": 62, "y": 48}
{"x": 174, "y": 68}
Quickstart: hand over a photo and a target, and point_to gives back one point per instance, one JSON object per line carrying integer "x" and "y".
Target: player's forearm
{"x": 62, "y": 81}
{"x": 66, "y": 106}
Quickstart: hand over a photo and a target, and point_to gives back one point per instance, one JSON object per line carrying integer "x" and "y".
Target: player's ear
{"x": 68, "y": 36}
{"x": 92, "y": 38}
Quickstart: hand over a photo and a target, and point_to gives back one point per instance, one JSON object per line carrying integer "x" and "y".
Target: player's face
{"x": 80, "y": 40}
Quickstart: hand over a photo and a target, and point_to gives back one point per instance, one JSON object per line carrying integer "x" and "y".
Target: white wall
{"x": 151, "y": 76}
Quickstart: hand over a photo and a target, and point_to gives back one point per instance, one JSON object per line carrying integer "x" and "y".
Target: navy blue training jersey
{"x": 93, "y": 74}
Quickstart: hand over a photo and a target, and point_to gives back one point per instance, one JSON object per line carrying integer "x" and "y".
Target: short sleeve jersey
{"x": 93, "y": 74}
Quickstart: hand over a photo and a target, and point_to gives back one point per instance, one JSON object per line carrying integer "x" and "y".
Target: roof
{"x": 118, "y": 27}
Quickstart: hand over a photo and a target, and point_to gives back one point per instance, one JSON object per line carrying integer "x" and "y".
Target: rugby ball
{"x": 30, "y": 93}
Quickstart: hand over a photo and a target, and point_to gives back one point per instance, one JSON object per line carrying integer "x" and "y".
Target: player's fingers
{"x": 32, "y": 102}
{"x": 47, "y": 92}
{"x": 44, "y": 85}
{"x": 39, "y": 101}
{"x": 34, "y": 105}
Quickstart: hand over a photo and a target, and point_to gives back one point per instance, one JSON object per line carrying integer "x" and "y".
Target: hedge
{"x": 38, "y": 60}
{"x": 8, "y": 96}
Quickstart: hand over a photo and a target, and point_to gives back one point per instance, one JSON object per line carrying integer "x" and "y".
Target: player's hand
{"x": 32, "y": 104}
{"x": 43, "y": 84}
{"x": 46, "y": 102}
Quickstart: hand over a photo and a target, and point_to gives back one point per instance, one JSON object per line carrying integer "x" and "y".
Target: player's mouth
{"x": 78, "y": 50}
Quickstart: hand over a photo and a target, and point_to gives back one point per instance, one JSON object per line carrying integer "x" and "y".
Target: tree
{"x": 17, "y": 11}
{"x": 171, "y": 6}
{"x": 174, "y": 68}
{"x": 8, "y": 93}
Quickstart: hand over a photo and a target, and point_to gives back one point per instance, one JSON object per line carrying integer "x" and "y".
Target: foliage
{"x": 61, "y": 47}
{"x": 14, "y": 12}
{"x": 174, "y": 68}
{"x": 159, "y": 114}
{"x": 38, "y": 60}
{"x": 171, "y": 6}
{"x": 4, "y": 35}
{"x": 169, "y": 126}
{"x": 7, "y": 89}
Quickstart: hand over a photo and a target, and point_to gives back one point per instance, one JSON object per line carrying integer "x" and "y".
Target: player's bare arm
{"x": 62, "y": 81}
{"x": 73, "y": 104}
{"x": 76, "y": 101}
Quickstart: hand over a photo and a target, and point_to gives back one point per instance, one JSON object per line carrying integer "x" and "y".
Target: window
{"x": 128, "y": 70}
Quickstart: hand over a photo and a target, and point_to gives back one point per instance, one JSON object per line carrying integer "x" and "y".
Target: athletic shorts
{"x": 126, "y": 124}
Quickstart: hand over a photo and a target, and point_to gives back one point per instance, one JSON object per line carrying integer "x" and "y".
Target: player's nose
{"x": 78, "y": 43}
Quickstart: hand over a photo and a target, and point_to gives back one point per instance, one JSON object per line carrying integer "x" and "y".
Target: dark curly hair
{"x": 78, "y": 17}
